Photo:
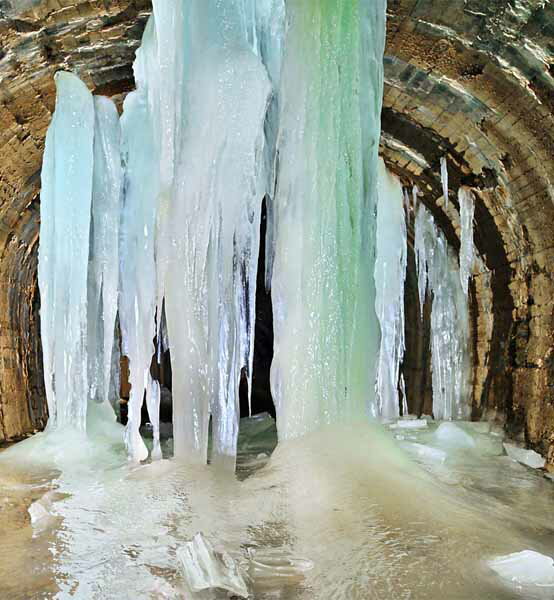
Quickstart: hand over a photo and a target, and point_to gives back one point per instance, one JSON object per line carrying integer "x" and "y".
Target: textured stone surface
{"x": 466, "y": 78}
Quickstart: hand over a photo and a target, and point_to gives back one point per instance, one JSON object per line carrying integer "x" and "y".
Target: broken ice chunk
{"x": 276, "y": 567}
{"x": 427, "y": 453}
{"x": 409, "y": 424}
{"x": 525, "y": 568}
{"x": 40, "y": 512}
{"x": 529, "y": 458}
{"x": 454, "y": 436}
{"x": 205, "y": 569}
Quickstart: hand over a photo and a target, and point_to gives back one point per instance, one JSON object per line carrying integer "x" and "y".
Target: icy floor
{"x": 379, "y": 513}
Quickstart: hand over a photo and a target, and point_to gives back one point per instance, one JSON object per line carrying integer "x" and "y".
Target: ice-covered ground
{"x": 348, "y": 513}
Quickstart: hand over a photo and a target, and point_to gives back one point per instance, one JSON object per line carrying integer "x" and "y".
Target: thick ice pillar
{"x": 326, "y": 330}
{"x": 390, "y": 275}
{"x": 103, "y": 277}
{"x": 67, "y": 181}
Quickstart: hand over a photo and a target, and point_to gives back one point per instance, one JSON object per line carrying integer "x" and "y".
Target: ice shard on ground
{"x": 390, "y": 275}
{"x": 206, "y": 569}
{"x": 525, "y": 568}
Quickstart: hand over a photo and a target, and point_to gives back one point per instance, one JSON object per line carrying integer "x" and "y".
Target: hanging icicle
{"x": 444, "y": 180}
{"x": 103, "y": 278}
{"x": 467, "y": 250}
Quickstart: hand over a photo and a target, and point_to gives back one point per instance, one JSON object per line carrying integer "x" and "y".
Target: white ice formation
{"x": 444, "y": 179}
{"x": 205, "y": 569}
{"x": 530, "y": 458}
{"x": 390, "y": 276}
{"x": 525, "y": 568}
{"x": 78, "y": 277}
{"x": 467, "y": 250}
{"x": 454, "y": 436}
{"x": 438, "y": 273}
{"x": 235, "y": 101}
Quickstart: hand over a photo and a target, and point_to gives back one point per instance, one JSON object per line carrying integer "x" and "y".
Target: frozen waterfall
{"x": 231, "y": 106}
{"x": 154, "y": 218}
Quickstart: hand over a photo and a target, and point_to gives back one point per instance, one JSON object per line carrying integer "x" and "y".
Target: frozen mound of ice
{"x": 205, "y": 569}
{"x": 525, "y": 568}
{"x": 476, "y": 426}
{"x": 426, "y": 453}
{"x": 530, "y": 458}
{"x": 454, "y": 436}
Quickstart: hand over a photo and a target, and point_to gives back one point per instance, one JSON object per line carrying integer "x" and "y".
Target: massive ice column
{"x": 66, "y": 195}
{"x": 390, "y": 275}
{"x": 326, "y": 330}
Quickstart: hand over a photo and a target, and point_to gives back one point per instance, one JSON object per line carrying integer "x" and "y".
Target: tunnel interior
{"x": 474, "y": 85}
{"x": 415, "y": 506}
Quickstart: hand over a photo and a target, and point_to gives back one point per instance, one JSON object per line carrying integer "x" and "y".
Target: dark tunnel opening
{"x": 261, "y": 398}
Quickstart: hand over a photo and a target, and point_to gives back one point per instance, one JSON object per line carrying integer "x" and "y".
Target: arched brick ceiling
{"x": 468, "y": 79}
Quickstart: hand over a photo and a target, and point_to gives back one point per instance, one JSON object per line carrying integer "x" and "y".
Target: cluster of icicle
{"x": 390, "y": 277}
{"x": 440, "y": 275}
{"x": 235, "y": 101}
{"x": 78, "y": 274}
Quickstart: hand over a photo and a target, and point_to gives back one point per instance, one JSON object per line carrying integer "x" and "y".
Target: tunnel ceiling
{"x": 469, "y": 79}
